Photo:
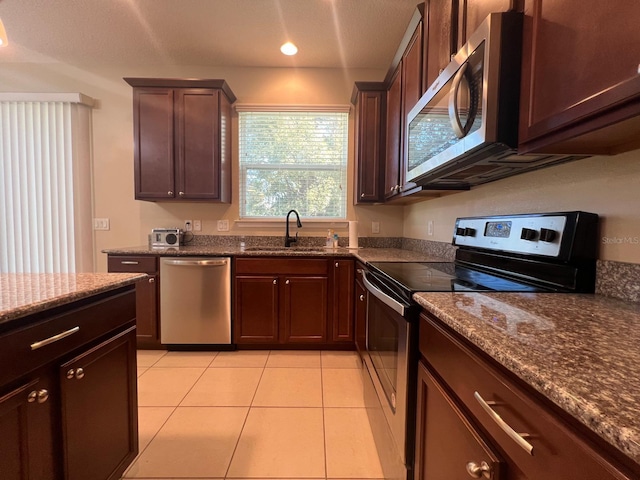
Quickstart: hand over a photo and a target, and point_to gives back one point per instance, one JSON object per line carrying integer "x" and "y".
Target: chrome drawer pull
{"x": 55, "y": 338}
{"x": 515, "y": 436}
{"x": 129, "y": 262}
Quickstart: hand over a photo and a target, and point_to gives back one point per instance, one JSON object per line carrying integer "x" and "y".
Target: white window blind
{"x": 293, "y": 159}
{"x": 45, "y": 178}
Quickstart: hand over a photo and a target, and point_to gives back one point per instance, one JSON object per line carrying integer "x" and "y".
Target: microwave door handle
{"x": 454, "y": 117}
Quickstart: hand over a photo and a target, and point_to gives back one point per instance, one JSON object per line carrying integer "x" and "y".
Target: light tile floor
{"x": 252, "y": 414}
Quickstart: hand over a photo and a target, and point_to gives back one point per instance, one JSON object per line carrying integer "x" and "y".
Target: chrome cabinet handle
{"x": 519, "y": 438}
{"x": 129, "y": 262}
{"x": 362, "y": 195}
{"x": 40, "y": 396}
{"x": 479, "y": 471}
{"x": 337, "y": 265}
{"x": 362, "y": 298}
{"x": 71, "y": 373}
{"x": 181, "y": 194}
{"x": 359, "y": 270}
{"x": 152, "y": 280}
{"x": 275, "y": 282}
{"x": 79, "y": 373}
{"x": 170, "y": 193}
{"x": 55, "y": 338}
{"x": 287, "y": 282}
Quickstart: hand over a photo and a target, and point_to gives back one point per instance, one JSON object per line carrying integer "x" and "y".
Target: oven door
{"x": 387, "y": 356}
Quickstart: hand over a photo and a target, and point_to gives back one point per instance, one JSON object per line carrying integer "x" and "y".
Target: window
{"x": 45, "y": 183}
{"x": 293, "y": 159}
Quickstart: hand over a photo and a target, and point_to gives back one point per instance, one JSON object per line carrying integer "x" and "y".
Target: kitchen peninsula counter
{"x": 582, "y": 352}
{"x": 25, "y": 294}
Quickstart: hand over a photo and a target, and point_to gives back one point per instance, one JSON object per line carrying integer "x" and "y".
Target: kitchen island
{"x": 577, "y": 355}
{"x": 68, "y": 397}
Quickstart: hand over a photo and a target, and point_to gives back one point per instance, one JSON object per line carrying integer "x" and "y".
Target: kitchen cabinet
{"x": 580, "y": 84}
{"x": 281, "y": 301}
{"x": 147, "y": 295}
{"x": 490, "y": 415}
{"x": 360, "y": 317}
{"x": 404, "y": 91}
{"x": 98, "y": 390}
{"x": 471, "y": 13}
{"x": 439, "y": 38}
{"x": 343, "y": 304}
{"x": 182, "y": 139}
{"x": 57, "y": 425}
{"x": 369, "y": 99}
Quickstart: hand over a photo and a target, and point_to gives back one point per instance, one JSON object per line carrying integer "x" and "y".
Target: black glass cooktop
{"x": 444, "y": 277}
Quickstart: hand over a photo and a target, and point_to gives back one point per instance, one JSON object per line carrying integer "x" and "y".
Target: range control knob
{"x": 528, "y": 234}
{"x": 547, "y": 235}
{"x": 469, "y": 232}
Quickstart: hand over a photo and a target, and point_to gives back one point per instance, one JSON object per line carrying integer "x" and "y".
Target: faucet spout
{"x": 287, "y": 239}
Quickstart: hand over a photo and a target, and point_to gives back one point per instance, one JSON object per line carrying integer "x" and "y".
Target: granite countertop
{"x": 23, "y": 294}
{"x": 363, "y": 254}
{"x": 580, "y": 351}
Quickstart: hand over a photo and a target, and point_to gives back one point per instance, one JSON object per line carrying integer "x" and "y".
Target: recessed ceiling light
{"x": 289, "y": 49}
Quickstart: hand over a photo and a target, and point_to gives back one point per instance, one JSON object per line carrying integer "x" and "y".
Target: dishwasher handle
{"x": 196, "y": 263}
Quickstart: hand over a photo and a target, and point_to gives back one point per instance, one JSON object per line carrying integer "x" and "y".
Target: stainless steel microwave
{"x": 464, "y": 129}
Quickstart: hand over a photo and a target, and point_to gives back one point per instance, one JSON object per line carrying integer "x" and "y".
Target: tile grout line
{"x": 324, "y": 428}
{"x": 235, "y": 448}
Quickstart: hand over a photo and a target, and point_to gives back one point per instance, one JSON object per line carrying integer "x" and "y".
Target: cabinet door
{"x": 590, "y": 82}
{"x": 343, "y": 285}
{"x": 198, "y": 143}
{"x": 99, "y": 410}
{"x": 370, "y": 142}
{"x": 147, "y": 331}
{"x": 256, "y": 309}
{"x": 304, "y": 310}
{"x": 361, "y": 316}
{"x": 153, "y": 133}
{"x": 447, "y": 444}
{"x": 439, "y": 39}
{"x": 473, "y": 12}
{"x": 394, "y": 135}
{"x": 27, "y": 439}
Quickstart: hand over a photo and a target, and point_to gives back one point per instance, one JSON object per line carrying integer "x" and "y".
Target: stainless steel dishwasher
{"x": 195, "y": 301}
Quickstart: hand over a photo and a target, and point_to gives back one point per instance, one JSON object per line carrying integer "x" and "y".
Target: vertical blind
{"x": 38, "y": 218}
{"x": 293, "y": 159}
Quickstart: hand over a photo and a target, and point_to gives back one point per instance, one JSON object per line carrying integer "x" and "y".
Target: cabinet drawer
{"x": 558, "y": 450}
{"x": 63, "y": 333}
{"x": 282, "y": 266}
{"x": 141, "y": 264}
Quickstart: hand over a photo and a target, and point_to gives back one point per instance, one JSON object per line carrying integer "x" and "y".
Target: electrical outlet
{"x": 188, "y": 225}
{"x": 223, "y": 225}
{"x": 430, "y": 227}
{"x": 101, "y": 224}
{"x": 197, "y": 226}
{"x": 375, "y": 227}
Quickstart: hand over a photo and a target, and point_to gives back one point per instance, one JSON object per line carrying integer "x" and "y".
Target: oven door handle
{"x": 383, "y": 297}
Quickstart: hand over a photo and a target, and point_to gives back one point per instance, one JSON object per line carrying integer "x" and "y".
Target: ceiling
{"x": 229, "y": 33}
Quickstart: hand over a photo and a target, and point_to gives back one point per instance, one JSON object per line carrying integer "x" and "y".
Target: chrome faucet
{"x": 287, "y": 239}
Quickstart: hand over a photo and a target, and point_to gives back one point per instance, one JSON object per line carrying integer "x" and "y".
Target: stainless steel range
{"x": 552, "y": 252}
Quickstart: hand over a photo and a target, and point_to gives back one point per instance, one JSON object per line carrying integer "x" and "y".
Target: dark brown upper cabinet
{"x": 182, "y": 139}
{"x": 580, "y": 79}
{"x": 369, "y": 99}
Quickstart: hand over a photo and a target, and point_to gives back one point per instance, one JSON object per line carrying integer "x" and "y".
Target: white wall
{"x": 608, "y": 186}
{"x": 132, "y": 220}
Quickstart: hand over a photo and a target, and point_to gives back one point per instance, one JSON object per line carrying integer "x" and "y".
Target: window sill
{"x": 279, "y": 223}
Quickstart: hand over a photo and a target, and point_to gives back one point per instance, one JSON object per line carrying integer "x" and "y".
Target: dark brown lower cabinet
{"x": 26, "y": 441}
{"x": 447, "y": 444}
{"x": 470, "y": 407}
{"x": 281, "y": 302}
{"x": 68, "y": 395}
{"x": 98, "y": 400}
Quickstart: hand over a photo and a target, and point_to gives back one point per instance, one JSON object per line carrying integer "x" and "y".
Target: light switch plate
{"x": 430, "y": 227}
{"x": 223, "y": 225}
{"x": 375, "y": 227}
{"x": 197, "y": 226}
{"x": 101, "y": 224}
